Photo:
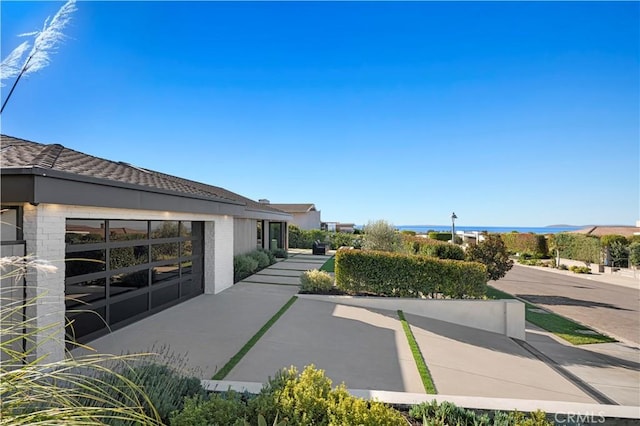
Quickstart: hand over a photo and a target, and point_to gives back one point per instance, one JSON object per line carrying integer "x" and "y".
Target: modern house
{"x": 127, "y": 241}
{"x": 305, "y": 216}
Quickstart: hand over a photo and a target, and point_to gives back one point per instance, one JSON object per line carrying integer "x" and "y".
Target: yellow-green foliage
{"x": 394, "y": 274}
{"x": 432, "y": 248}
{"x": 307, "y": 398}
{"x": 315, "y": 281}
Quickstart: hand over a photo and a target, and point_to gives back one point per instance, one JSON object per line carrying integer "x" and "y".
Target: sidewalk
{"x": 601, "y": 277}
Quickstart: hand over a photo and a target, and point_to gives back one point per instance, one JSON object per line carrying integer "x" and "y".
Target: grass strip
{"x": 329, "y": 265}
{"x": 427, "y": 381}
{"x": 570, "y": 331}
{"x": 222, "y": 373}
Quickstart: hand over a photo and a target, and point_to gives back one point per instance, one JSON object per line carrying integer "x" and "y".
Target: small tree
{"x": 493, "y": 254}
{"x": 614, "y": 249}
{"x": 381, "y": 235}
{"x": 634, "y": 254}
{"x": 619, "y": 254}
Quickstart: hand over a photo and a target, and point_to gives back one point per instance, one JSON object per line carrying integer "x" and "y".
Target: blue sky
{"x": 509, "y": 114}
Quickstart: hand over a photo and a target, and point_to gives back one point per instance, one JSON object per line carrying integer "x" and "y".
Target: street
{"x": 610, "y": 309}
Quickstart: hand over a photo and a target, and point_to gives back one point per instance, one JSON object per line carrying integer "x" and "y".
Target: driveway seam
{"x": 584, "y": 386}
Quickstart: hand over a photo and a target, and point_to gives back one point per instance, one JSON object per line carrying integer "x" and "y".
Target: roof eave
{"x": 36, "y": 185}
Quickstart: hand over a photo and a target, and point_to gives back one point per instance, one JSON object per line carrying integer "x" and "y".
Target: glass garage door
{"x": 119, "y": 271}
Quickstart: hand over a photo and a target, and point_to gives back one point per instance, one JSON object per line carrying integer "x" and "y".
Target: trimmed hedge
{"x": 533, "y": 244}
{"x": 440, "y": 236}
{"x": 300, "y": 238}
{"x": 580, "y": 247}
{"x": 401, "y": 275}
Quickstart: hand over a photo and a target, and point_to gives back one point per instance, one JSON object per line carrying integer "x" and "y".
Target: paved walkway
{"x": 366, "y": 348}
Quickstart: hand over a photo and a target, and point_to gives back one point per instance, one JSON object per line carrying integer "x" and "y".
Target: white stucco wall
{"x": 44, "y": 232}
{"x": 498, "y": 316}
{"x": 223, "y": 252}
{"x": 245, "y": 235}
{"x": 307, "y": 221}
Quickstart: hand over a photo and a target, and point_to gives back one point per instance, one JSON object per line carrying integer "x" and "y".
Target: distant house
{"x": 127, "y": 241}
{"x": 338, "y": 227}
{"x": 599, "y": 231}
{"x": 305, "y": 216}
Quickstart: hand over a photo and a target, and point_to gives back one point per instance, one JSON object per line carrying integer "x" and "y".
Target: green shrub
{"x": 580, "y": 269}
{"x": 443, "y": 251}
{"x": 243, "y": 266}
{"x": 493, "y": 254}
{"x": 634, "y": 254}
{"x": 401, "y": 275}
{"x": 634, "y": 239}
{"x": 382, "y": 236}
{"x": 270, "y": 255}
{"x": 261, "y": 257}
{"x": 414, "y": 244}
{"x": 299, "y": 238}
{"x": 343, "y": 239}
{"x": 315, "y": 281}
{"x": 280, "y": 253}
{"x": 440, "y": 236}
{"x": 165, "y": 386}
{"x": 532, "y": 244}
{"x": 222, "y": 409}
{"x": 308, "y": 399}
{"x": 448, "y": 413}
{"x": 619, "y": 252}
{"x": 408, "y": 232}
{"x": 607, "y": 240}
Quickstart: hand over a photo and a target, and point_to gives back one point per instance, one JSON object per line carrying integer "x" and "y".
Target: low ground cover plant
{"x": 250, "y": 263}
{"x": 580, "y": 269}
{"x": 446, "y": 413}
{"x": 309, "y": 398}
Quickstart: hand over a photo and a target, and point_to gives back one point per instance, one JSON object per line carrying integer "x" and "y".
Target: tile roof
{"x": 18, "y": 153}
{"x": 295, "y": 208}
{"x": 599, "y": 231}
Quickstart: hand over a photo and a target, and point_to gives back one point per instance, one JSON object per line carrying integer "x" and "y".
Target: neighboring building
{"x": 128, "y": 241}
{"x": 305, "y": 216}
{"x": 599, "y": 231}
{"x": 338, "y": 227}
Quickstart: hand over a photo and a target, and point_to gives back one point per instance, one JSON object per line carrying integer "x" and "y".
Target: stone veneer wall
{"x": 44, "y": 232}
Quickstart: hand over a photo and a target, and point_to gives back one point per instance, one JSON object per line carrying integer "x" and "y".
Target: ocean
{"x": 491, "y": 229}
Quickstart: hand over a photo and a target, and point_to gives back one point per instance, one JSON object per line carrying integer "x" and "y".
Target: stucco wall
{"x": 245, "y": 235}
{"x": 44, "y": 232}
{"x": 498, "y": 316}
{"x": 307, "y": 221}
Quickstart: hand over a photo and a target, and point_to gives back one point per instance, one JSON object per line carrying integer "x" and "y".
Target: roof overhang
{"x": 37, "y": 185}
{"x": 265, "y": 215}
